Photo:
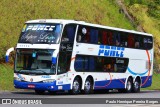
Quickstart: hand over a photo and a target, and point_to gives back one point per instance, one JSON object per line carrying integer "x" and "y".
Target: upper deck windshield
{"x": 40, "y": 33}
{"x": 34, "y": 61}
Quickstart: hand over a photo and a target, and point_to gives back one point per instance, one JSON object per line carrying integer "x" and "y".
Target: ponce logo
{"x": 111, "y": 51}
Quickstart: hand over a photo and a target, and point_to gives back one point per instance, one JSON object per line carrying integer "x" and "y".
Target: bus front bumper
{"x": 35, "y": 85}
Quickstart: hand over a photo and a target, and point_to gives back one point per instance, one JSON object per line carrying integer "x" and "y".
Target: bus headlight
{"x": 16, "y": 78}
{"x": 48, "y": 81}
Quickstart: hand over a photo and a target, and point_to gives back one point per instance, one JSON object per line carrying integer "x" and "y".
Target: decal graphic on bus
{"x": 111, "y": 51}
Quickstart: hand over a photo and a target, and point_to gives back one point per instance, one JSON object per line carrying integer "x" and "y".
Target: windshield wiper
{"x": 19, "y": 70}
{"x": 42, "y": 72}
{"x": 30, "y": 71}
{"x": 24, "y": 71}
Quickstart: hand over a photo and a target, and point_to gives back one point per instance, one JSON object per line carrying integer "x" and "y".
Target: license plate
{"x": 31, "y": 86}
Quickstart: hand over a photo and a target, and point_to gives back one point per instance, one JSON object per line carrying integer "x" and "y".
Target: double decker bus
{"x": 67, "y": 55}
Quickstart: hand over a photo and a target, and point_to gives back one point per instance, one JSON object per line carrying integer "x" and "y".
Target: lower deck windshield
{"x": 34, "y": 61}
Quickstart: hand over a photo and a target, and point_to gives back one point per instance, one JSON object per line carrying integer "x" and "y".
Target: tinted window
{"x": 88, "y": 63}
{"x": 101, "y": 36}
{"x": 68, "y": 33}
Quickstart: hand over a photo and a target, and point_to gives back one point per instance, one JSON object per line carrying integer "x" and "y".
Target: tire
{"x": 76, "y": 87}
{"x": 136, "y": 86}
{"x": 88, "y": 86}
{"x": 40, "y": 92}
{"x": 129, "y": 86}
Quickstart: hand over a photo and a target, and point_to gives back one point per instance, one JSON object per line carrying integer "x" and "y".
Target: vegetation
{"x": 6, "y": 77}
{"x": 155, "y": 82}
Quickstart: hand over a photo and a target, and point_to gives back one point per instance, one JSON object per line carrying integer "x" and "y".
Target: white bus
{"x": 67, "y": 55}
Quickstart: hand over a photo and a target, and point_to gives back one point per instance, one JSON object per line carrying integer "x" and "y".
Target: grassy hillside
{"x": 15, "y": 12}
{"x": 6, "y": 77}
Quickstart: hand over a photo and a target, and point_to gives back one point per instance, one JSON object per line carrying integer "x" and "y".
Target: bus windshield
{"x": 40, "y": 33}
{"x": 34, "y": 61}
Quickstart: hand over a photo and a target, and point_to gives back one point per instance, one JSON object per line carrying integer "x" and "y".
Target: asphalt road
{"x": 31, "y": 94}
{"x": 64, "y": 96}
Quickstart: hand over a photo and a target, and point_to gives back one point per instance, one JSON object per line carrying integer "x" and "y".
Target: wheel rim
{"x": 76, "y": 85}
{"x": 129, "y": 86}
{"x": 87, "y": 86}
{"x": 136, "y": 85}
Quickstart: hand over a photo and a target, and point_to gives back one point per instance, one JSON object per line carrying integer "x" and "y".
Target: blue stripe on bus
{"x": 118, "y": 83}
{"x": 148, "y": 83}
{"x": 40, "y": 86}
{"x": 141, "y": 74}
{"x": 115, "y": 84}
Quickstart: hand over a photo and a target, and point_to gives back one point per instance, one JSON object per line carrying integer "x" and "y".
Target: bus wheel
{"x": 88, "y": 86}
{"x": 40, "y": 92}
{"x": 129, "y": 86}
{"x": 136, "y": 86}
{"x": 76, "y": 87}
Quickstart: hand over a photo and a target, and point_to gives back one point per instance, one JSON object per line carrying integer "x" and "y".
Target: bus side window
{"x": 91, "y": 63}
{"x": 137, "y": 42}
{"x": 79, "y": 63}
{"x": 104, "y": 38}
{"x": 124, "y": 40}
{"x": 131, "y": 42}
{"x": 69, "y": 33}
{"x": 86, "y": 64}
{"x": 116, "y": 39}
{"x": 83, "y": 34}
{"x": 94, "y": 36}
{"x": 87, "y": 36}
{"x": 110, "y": 38}
{"x": 150, "y": 42}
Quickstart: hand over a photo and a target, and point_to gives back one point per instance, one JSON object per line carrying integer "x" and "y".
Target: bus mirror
{"x": 7, "y": 54}
{"x": 54, "y": 60}
{"x": 7, "y": 59}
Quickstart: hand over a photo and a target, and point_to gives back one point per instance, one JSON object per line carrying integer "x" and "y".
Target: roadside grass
{"x": 6, "y": 77}
{"x": 155, "y": 83}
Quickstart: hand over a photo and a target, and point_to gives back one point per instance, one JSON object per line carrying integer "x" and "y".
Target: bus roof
{"x": 65, "y": 21}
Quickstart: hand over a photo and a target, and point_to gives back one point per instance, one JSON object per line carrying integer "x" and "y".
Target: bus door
{"x": 65, "y": 54}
